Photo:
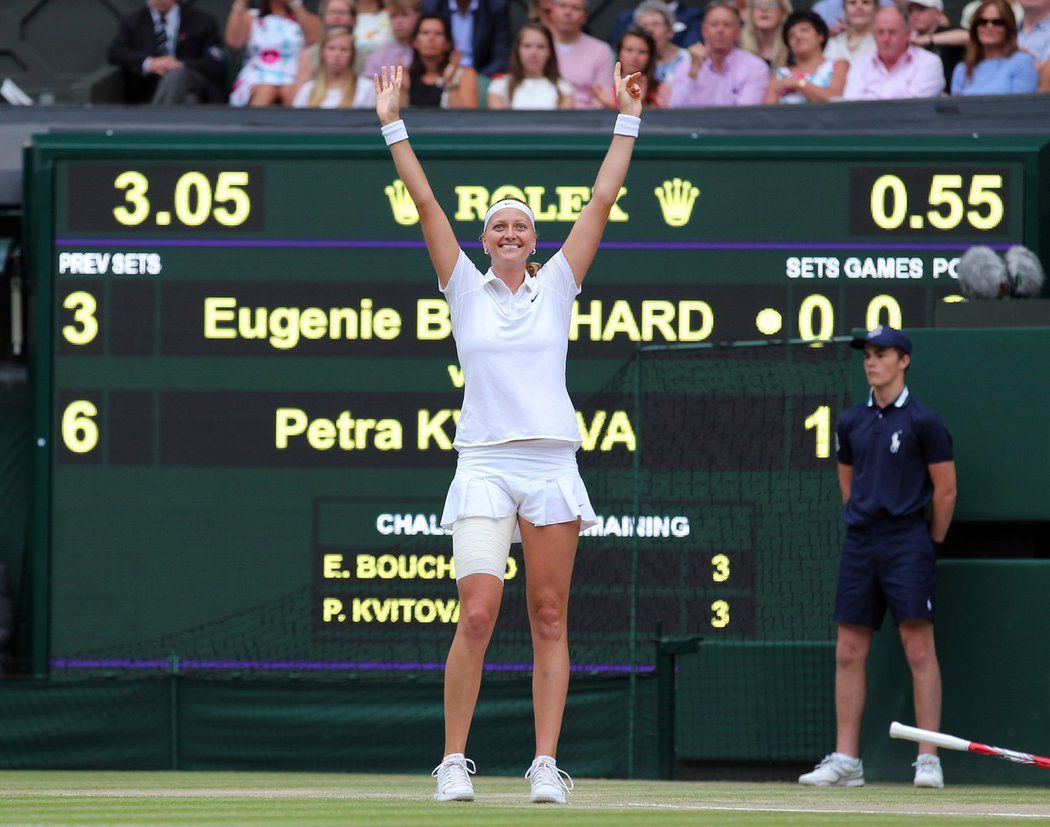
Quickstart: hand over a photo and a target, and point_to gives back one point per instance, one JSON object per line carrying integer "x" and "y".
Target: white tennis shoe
{"x": 453, "y": 778}
{"x": 549, "y": 784}
{"x": 928, "y": 772}
{"x": 835, "y": 770}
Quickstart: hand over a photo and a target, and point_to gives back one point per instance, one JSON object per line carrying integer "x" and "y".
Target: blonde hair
{"x": 322, "y": 83}
{"x": 749, "y": 38}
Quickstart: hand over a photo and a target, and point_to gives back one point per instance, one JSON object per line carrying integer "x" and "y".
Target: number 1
{"x": 820, "y": 420}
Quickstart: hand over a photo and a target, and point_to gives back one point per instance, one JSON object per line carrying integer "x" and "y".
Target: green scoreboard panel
{"x": 247, "y": 390}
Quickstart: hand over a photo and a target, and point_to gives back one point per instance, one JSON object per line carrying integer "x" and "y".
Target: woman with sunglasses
{"x": 994, "y": 64}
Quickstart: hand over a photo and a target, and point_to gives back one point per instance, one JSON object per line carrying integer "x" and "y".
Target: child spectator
{"x": 532, "y": 80}
{"x": 403, "y": 14}
{"x": 334, "y": 14}
{"x": 334, "y": 85}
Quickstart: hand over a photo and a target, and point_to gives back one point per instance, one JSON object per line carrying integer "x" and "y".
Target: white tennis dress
{"x": 517, "y": 433}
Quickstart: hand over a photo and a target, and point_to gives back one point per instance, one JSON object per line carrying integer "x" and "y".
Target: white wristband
{"x": 394, "y": 132}
{"x": 627, "y": 125}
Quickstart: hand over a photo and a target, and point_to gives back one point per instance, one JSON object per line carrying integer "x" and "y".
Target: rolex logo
{"x": 676, "y": 199}
{"x": 401, "y": 204}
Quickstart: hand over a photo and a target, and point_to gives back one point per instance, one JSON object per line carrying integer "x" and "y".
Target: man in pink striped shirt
{"x": 719, "y": 74}
{"x": 583, "y": 60}
{"x": 896, "y": 69}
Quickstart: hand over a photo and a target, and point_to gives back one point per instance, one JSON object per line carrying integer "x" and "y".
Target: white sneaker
{"x": 836, "y": 770}
{"x": 928, "y": 772}
{"x": 453, "y": 778}
{"x": 548, "y": 782}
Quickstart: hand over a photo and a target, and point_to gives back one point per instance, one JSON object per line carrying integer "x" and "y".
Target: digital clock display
{"x": 252, "y": 388}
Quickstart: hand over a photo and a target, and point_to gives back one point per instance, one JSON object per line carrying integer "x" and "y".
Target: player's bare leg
{"x": 550, "y": 552}
{"x": 919, "y": 648}
{"x": 851, "y": 654}
{"x": 479, "y": 600}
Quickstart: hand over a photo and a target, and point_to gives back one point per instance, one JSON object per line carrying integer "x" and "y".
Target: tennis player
{"x": 516, "y": 478}
{"x": 895, "y": 461}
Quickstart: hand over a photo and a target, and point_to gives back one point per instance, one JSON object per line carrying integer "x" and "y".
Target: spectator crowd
{"x": 462, "y": 54}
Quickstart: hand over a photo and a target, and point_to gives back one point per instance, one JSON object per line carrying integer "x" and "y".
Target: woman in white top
{"x": 857, "y": 40}
{"x": 516, "y": 476}
{"x": 532, "y": 80}
{"x": 334, "y": 85}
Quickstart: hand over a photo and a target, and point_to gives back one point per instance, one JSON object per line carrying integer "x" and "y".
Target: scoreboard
{"x": 246, "y": 388}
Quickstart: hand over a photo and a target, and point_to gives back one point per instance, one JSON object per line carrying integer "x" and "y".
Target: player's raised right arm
{"x": 437, "y": 231}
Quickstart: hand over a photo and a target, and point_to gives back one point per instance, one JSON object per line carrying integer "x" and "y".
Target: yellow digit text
{"x": 720, "y": 563}
{"x": 85, "y": 329}
{"x": 79, "y": 429}
{"x": 136, "y": 210}
{"x": 720, "y": 618}
{"x": 820, "y": 421}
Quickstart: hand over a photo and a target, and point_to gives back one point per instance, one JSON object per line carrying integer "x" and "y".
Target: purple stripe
{"x": 328, "y": 666}
{"x": 342, "y": 243}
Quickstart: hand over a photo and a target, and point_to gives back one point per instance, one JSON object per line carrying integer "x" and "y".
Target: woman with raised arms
{"x": 516, "y": 477}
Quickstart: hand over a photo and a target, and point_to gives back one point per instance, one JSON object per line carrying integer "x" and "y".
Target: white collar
{"x": 531, "y": 282}
{"x": 900, "y": 402}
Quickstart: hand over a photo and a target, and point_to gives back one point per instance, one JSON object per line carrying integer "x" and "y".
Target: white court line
{"x": 829, "y": 811}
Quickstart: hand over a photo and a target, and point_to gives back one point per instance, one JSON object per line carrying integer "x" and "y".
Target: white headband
{"x": 511, "y": 203}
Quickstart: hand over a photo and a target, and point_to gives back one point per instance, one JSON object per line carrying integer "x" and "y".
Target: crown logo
{"x": 676, "y": 199}
{"x": 401, "y": 204}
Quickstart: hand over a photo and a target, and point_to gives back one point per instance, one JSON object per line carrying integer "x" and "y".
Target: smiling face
{"x": 509, "y": 239}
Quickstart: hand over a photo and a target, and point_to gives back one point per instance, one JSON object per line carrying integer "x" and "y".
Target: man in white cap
{"x": 924, "y": 20}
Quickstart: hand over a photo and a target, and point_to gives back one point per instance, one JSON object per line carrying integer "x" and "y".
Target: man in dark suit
{"x": 480, "y": 29}
{"x": 688, "y": 20}
{"x": 170, "y": 54}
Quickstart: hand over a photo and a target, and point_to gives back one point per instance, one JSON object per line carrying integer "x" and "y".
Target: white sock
{"x": 539, "y": 758}
{"x": 453, "y": 756}
{"x": 845, "y": 757}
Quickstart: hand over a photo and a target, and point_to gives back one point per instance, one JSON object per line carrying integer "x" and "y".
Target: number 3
{"x": 83, "y": 305}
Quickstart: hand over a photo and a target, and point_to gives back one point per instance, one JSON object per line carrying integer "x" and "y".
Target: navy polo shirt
{"x": 889, "y": 449}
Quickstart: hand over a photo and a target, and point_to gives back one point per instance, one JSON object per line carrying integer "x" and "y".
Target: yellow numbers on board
{"x": 79, "y": 429}
{"x": 720, "y": 616}
{"x": 720, "y": 563}
{"x": 85, "y": 327}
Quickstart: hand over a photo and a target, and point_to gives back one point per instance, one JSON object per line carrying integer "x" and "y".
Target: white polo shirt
{"x": 512, "y": 349}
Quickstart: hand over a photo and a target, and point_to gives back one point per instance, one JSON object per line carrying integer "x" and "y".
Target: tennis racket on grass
{"x": 910, "y": 733}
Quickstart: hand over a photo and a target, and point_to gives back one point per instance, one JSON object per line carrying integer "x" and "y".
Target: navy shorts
{"x": 886, "y": 564}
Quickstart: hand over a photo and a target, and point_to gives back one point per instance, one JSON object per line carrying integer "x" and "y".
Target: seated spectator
{"x": 334, "y": 14}
{"x": 435, "y": 76}
{"x": 856, "y": 40}
{"x": 1034, "y": 31}
{"x": 170, "y": 54}
{"x": 897, "y": 69}
{"x": 335, "y": 84}
{"x": 404, "y": 14}
{"x": 583, "y": 60}
{"x": 924, "y": 20}
{"x": 719, "y": 73}
{"x": 809, "y": 75}
{"x": 966, "y": 16}
{"x": 685, "y": 24}
{"x": 636, "y": 52}
{"x": 540, "y": 11}
{"x": 833, "y": 13}
{"x": 273, "y": 36}
{"x": 763, "y": 33}
{"x": 371, "y": 31}
{"x": 657, "y": 18}
{"x": 994, "y": 65}
{"x": 532, "y": 80}
{"x": 480, "y": 31}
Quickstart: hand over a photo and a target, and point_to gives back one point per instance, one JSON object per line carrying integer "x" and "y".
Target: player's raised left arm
{"x": 943, "y": 505}
{"x": 582, "y": 244}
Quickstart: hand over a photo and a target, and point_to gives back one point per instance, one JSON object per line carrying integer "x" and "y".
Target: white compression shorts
{"x": 536, "y": 478}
